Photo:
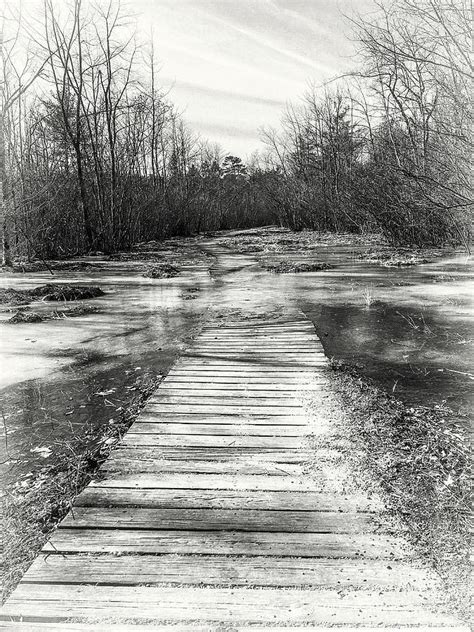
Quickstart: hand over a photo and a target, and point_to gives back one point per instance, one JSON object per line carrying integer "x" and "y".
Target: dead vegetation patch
{"x": 292, "y": 267}
{"x": 142, "y": 255}
{"x": 191, "y": 293}
{"x": 421, "y": 461}
{"x": 22, "y": 316}
{"x": 14, "y": 297}
{"x": 49, "y": 292}
{"x": 161, "y": 271}
{"x": 400, "y": 257}
{"x": 26, "y": 316}
{"x": 282, "y": 240}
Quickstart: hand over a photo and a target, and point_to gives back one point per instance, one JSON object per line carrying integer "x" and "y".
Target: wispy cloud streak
{"x": 234, "y": 64}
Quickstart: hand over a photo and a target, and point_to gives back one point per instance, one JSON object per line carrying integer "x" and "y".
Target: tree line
{"x": 95, "y": 157}
{"x": 390, "y": 147}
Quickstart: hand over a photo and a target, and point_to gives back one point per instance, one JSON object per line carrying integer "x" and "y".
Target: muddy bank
{"x": 420, "y": 465}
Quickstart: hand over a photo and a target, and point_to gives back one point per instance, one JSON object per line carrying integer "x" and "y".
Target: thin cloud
{"x": 265, "y": 42}
{"x": 236, "y": 131}
{"x": 197, "y": 90}
{"x": 233, "y": 65}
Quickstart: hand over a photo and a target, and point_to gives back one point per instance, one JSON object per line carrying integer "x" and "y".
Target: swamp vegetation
{"x": 360, "y": 207}
{"x": 94, "y": 157}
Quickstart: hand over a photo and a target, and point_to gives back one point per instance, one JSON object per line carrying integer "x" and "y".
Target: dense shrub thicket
{"x": 93, "y": 156}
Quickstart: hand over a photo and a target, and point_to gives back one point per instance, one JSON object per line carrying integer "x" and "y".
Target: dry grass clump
{"x": 22, "y": 316}
{"x": 52, "y": 292}
{"x": 291, "y": 267}
{"x": 25, "y": 316}
{"x": 142, "y": 255}
{"x": 283, "y": 240}
{"x": 421, "y": 461}
{"x": 161, "y": 271}
{"x": 48, "y": 292}
{"x": 191, "y": 293}
{"x": 15, "y": 297}
{"x": 145, "y": 246}
{"x": 35, "y": 504}
{"x": 400, "y": 257}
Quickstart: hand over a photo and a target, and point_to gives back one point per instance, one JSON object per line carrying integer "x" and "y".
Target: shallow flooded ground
{"x": 63, "y": 377}
{"x": 410, "y": 329}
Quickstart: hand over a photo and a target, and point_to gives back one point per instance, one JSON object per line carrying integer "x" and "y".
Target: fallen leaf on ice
{"x": 44, "y": 452}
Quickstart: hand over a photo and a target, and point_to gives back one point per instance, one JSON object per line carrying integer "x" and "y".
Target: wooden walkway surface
{"x": 206, "y": 519}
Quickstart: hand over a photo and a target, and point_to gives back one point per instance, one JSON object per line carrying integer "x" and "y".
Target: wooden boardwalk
{"x": 206, "y": 518}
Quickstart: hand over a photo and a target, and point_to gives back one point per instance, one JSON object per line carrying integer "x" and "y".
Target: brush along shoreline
{"x": 418, "y": 457}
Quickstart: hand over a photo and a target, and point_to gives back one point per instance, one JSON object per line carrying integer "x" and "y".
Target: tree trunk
{"x": 5, "y": 244}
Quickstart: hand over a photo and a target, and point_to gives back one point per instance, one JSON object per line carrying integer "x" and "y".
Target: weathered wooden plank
{"x": 209, "y": 441}
{"x": 190, "y": 384}
{"x": 330, "y": 545}
{"x": 257, "y": 361}
{"x": 224, "y": 399}
{"x": 245, "y": 375}
{"x": 256, "y": 324}
{"x": 162, "y": 480}
{"x": 237, "y": 409}
{"x": 97, "y": 496}
{"x": 280, "y": 345}
{"x": 276, "y": 368}
{"x": 274, "y": 346}
{"x": 230, "y": 430}
{"x": 222, "y": 519}
{"x": 283, "y": 351}
{"x": 189, "y": 453}
{"x": 224, "y": 418}
{"x": 215, "y": 570}
{"x": 101, "y": 627}
{"x": 58, "y": 602}
{"x": 259, "y": 338}
{"x": 211, "y": 377}
{"x": 291, "y": 349}
{"x": 263, "y": 340}
{"x": 255, "y": 334}
{"x": 283, "y": 342}
{"x": 229, "y": 390}
{"x": 260, "y": 329}
{"x": 255, "y": 373}
{"x": 261, "y": 364}
{"x": 248, "y": 467}
{"x": 279, "y": 398}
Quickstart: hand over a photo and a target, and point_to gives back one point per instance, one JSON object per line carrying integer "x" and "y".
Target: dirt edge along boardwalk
{"x": 207, "y": 514}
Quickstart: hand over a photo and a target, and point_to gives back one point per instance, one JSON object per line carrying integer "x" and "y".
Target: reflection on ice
{"x": 414, "y": 336}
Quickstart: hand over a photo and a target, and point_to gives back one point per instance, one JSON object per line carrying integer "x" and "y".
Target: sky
{"x": 232, "y": 65}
